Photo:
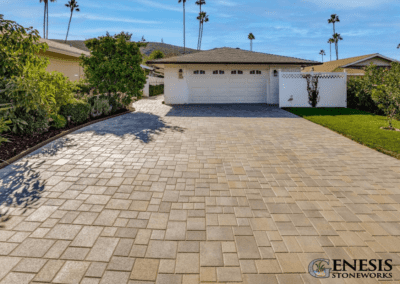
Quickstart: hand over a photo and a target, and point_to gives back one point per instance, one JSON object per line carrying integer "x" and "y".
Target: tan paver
{"x": 189, "y": 194}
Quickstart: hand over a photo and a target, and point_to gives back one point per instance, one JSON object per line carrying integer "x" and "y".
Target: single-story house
{"x": 64, "y": 58}
{"x": 225, "y": 75}
{"x": 353, "y": 66}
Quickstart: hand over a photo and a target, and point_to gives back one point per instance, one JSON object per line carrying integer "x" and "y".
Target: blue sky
{"x": 295, "y": 28}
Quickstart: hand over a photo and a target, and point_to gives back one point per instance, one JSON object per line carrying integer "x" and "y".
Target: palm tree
{"x": 47, "y": 22}
{"x": 184, "y": 34}
{"x": 332, "y": 20}
{"x": 251, "y": 37}
{"x": 330, "y": 41}
{"x": 322, "y": 52}
{"x": 203, "y": 18}
{"x": 44, "y": 18}
{"x": 199, "y": 2}
{"x": 398, "y": 46}
{"x": 336, "y": 38}
{"x": 73, "y": 5}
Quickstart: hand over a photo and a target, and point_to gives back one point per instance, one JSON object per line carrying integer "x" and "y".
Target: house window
{"x": 233, "y": 72}
{"x": 275, "y": 73}
{"x": 180, "y": 74}
{"x": 215, "y": 72}
{"x": 253, "y": 72}
{"x": 240, "y": 72}
{"x": 258, "y": 72}
{"x": 221, "y": 72}
{"x": 196, "y": 72}
{"x": 202, "y": 72}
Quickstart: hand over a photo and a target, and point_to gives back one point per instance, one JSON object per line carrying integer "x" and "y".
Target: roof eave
{"x": 238, "y": 63}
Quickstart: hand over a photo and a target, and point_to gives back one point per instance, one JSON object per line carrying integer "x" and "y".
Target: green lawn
{"x": 357, "y": 125}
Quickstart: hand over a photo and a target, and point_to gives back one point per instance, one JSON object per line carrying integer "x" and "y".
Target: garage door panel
{"x": 226, "y": 89}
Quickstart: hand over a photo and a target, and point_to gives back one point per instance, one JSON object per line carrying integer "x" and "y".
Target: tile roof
{"x": 228, "y": 55}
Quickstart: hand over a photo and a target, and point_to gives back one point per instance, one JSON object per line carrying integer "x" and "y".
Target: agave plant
{"x": 320, "y": 266}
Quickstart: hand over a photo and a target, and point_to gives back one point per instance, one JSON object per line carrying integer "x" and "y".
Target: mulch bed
{"x": 18, "y": 144}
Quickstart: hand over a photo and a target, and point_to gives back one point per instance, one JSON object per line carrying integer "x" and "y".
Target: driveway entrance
{"x": 197, "y": 193}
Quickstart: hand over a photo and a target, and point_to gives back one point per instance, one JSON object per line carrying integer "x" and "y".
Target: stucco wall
{"x": 177, "y": 91}
{"x": 67, "y": 65}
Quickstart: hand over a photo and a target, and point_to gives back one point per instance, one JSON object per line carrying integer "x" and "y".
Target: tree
{"x": 336, "y": 38}
{"x": 387, "y": 93}
{"x": 251, "y": 37}
{"x": 20, "y": 49}
{"x": 200, "y": 3}
{"x": 332, "y": 20}
{"x": 143, "y": 39}
{"x": 322, "y": 52}
{"x": 312, "y": 89}
{"x": 73, "y": 5}
{"x": 330, "y": 41}
{"x": 203, "y": 18}
{"x": 398, "y": 46}
{"x": 184, "y": 26}
{"x": 114, "y": 67}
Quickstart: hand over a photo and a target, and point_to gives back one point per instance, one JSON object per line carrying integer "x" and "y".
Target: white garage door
{"x": 212, "y": 88}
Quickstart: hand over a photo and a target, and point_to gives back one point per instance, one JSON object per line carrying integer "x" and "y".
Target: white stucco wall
{"x": 180, "y": 91}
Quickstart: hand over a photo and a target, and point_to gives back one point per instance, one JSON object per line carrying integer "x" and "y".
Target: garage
{"x": 227, "y": 85}
{"x": 224, "y": 76}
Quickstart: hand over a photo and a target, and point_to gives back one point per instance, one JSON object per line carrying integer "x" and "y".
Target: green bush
{"x": 58, "y": 121}
{"x": 359, "y": 90}
{"x": 100, "y": 106}
{"x": 156, "y": 90}
{"x": 35, "y": 121}
{"x": 78, "y": 110}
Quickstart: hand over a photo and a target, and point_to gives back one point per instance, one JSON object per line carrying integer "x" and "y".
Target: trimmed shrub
{"x": 36, "y": 121}
{"x": 78, "y": 110}
{"x": 59, "y": 121}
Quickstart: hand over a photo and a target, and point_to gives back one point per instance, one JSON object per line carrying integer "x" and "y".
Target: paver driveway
{"x": 222, "y": 194}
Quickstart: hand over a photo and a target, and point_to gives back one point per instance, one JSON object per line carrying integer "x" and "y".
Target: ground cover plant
{"x": 357, "y": 125}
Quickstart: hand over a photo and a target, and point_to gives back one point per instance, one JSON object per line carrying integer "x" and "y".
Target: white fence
{"x": 293, "y": 89}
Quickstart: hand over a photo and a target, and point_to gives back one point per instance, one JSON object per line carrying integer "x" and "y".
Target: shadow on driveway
{"x": 139, "y": 124}
{"x": 229, "y": 110}
{"x": 20, "y": 185}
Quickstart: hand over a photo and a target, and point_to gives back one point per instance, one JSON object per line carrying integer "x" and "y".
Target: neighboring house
{"x": 353, "y": 65}
{"x": 64, "y": 58}
{"x": 225, "y": 75}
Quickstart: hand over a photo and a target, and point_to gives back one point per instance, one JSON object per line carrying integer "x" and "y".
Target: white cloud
{"x": 349, "y": 3}
{"x": 177, "y": 8}
{"x": 101, "y": 18}
{"x": 227, "y": 3}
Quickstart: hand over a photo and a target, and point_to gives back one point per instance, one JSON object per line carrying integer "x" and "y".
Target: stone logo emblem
{"x": 317, "y": 268}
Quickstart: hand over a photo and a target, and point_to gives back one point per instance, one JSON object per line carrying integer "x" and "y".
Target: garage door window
{"x": 221, "y": 72}
{"x": 258, "y": 72}
{"x": 233, "y": 72}
{"x": 215, "y": 72}
{"x": 240, "y": 72}
{"x": 202, "y": 72}
{"x": 196, "y": 72}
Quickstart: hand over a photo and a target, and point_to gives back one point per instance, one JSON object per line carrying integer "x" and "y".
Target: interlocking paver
{"x": 182, "y": 194}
